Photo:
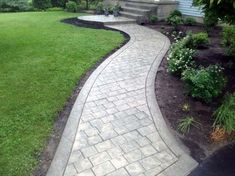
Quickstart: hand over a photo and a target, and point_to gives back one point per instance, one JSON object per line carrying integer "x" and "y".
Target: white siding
{"x": 186, "y": 8}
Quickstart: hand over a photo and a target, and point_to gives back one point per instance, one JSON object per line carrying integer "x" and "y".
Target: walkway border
{"x": 185, "y": 163}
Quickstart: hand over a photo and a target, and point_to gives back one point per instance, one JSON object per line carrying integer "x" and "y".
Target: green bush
{"x": 180, "y": 58}
{"x": 42, "y": 4}
{"x": 153, "y": 19}
{"x": 14, "y": 6}
{"x": 176, "y": 13}
{"x": 229, "y": 39}
{"x": 71, "y": 6}
{"x": 225, "y": 114}
{"x": 189, "y": 21}
{"x": 175, "y": 21}
{"x": 199, "y": 39}
{"x": 210, "y": 20}
{"x": 204, "y": 83}
{"x": 53, "y": 9}
{"x": 99, "y": 8}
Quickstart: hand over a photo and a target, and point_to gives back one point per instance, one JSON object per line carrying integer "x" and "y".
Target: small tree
{"x": 42, "y": 4}
{"x": 219, "y": 9}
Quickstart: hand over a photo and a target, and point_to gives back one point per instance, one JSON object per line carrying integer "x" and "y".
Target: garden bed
{"x": 172, "y": 94}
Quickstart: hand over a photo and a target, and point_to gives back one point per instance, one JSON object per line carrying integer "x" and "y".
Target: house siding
{"x": 186, "y": 8}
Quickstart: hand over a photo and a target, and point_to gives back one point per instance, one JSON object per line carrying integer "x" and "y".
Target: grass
{"x": 41, "y": 60}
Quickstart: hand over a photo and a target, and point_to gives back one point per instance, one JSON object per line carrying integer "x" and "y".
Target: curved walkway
{"x": 116, "y": 127}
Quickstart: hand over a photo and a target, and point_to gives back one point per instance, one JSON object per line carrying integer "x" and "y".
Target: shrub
{"x": 210, "y": 20}
{"x": 175, "y": 21}
{"x": 189, "y": 21}
{"x": 14, "y": 5}
{"x": 204, "y": 83}
{"x": 153, "y": 19}
{"x": 199, "y": 39}
{"x": 176, "y": 13}
{"x": 42, "y": 4}
{"x": 225, "y": 114}
{"x": 53, "y": 9}
{"x": 180, "y": 58}
{"x": 99, "y": 8}
{"x": 71, "y": 6}
{"x": 229, "y": 39}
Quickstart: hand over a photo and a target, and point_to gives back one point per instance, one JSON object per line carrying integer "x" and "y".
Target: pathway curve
{"x": 116, "y": 127}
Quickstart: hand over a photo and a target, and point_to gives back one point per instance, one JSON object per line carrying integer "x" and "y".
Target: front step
{"x": 141, "y": 5}
{"x": 138, "y": 11}
{"x": 135, "y": 10}
{"x": 131, "y": 15}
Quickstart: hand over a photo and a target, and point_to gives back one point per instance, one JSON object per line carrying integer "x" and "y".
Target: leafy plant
{"x": 42, "y": 4}
{"x": 71, "y": 6}
{"x": 180, "y": 58}
{"x": 205, "y": 83}
{"x": 153, "y": 19}
{"x": 175, "y": 21}
{"x": 99, "y": 8}
{"x": 189, "y": 21}
{"x": 186, "y": 123}
{"x": 210, "y": 20}
{"x": 218, "y": 9}
{"x": 225, "y": 114}
{"x": 116, "y": 9}
{"x": 175, "y": 13}
{"x": 229, "y": 39}
{"x": 186, "y": 107}
{"x": 199, "y": 39}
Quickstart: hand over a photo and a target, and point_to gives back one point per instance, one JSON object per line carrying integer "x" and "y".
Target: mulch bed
{"x": 172, "y": 94}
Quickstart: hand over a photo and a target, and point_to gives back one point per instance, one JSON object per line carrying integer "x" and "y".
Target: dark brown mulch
{"x": 172, "y": 94}
{"x": 49, "y": 151}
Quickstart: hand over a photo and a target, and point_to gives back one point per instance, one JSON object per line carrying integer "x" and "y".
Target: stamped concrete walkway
{"x": 116, "y": 127}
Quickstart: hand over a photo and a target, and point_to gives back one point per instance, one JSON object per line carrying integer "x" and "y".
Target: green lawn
{"x": 41, "y": 60}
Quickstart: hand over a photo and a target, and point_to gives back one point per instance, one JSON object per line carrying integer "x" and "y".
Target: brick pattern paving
{"x": 116, "y": 135}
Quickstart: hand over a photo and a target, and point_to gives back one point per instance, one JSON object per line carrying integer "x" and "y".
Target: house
{"x": 141, "y": 9}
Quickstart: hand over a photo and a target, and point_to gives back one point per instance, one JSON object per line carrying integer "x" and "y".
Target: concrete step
{"x": 135, "y": 10}
{"x": 131, "y": 15}
{"x": 141, "y": 5}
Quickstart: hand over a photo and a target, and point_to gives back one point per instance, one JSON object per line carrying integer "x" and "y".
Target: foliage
{"x": 71, "y": 6}
{"x": 225, "y": 114}
{"x": 53, "y": 9}
{"x": 186, "y": 123}
{"x": 199, "y": 39}
{"x": 41, "y": 62}
{"x": 205, "y": 83}
{"x": 186, "y": 107}
{"x": 210, "y": 20}
{"x": 218, "y": 9}
{"x": 229, "y": 39}
{"x": 116, "y": 9}
{"x": 58, "y": 3}
{"x": 14, "y": 5}
{"x": 42, "y": 4}
{"x": 175, "y": 21}
{"x": 153, "y": 19}
{"x": 175, "y": 13}
{"x": 218, "y": 134}
{"x": 99, "y": 8}
{"x": 180, "y": 58}
{"x": 175, "y": 18}
{"x": 189, "y": 21}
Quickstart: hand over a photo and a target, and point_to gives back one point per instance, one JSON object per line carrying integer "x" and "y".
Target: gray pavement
{"x": 116, "y": 127}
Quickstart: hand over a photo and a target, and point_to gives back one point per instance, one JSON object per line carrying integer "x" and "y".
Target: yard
{"x": 41, "y": 61}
